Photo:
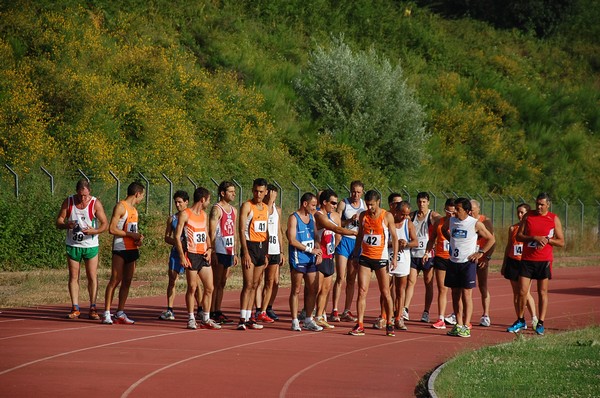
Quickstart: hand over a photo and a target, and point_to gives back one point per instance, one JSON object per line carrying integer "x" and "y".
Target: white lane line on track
{"x": 151, "y": 374}
{"x": 11, "y": 320}
{"x": 45, "y": 332}
{"x": 87, "y": 349}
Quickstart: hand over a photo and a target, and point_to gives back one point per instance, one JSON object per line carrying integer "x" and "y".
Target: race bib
{"x": 273, "y": 239}
{"x": 518, "y": 249}
{"x": 422, "y": 242}
{"x": 132, "y": 227}
{"x": 446, "y": 246}
{"x": 200, "y": 237}
{"x": 310, "y": 244}
{"x": 330, "y": 248}
{"x": 228, "y": 241}
{"x": 372, "y": 240}
{"x": 260, "y": 226}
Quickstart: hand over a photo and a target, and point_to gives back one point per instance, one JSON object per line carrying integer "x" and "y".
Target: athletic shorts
{"x": 441, "y": 264}
{"x": 175, "y": 264}
{"x": 402, "y": 268}
{"x": 345, "y": 247}
{"x": 536, "y": 269}
{"x": 128, "y": 255}
{"x": 304, "y": 268}
{"x": 417, "y": 263}
{"x": 258, "y": 251}
{"x": 198, "y": 261}
{"x": 461, "y": 275}
{"x": 226, "y": 260}
{"x": 374, "y": 265}
{"x": 326, "y": 267}
{"x": 81, "y": 253}
{"x": 512, "y": 269}
{"x": 274, "y": 259}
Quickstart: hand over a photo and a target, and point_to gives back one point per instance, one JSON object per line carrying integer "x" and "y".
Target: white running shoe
{"x": 296, "y": 325}
{"x": 312, "y": 326}
{"x": 450, "y": 319}
{"x": 485, "y": 321}
{"x": 107, "y": 320}
{"x": 405, "y": 314}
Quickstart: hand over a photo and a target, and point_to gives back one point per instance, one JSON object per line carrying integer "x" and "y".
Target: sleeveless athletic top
{"x": 350, "y": 211}
{"x": 273, "y": 227}
{"x": 463, "y": 239}
{"x": 326, "y": 239}
{"x": 538, "y": 225}
{"x": 305, "y": 234}
{"x": 127, "y": 223}
{"x": 85, "y": 218}
{"x": 404, "y": 254}
{"x": 442, "y": 246}
{"x": 174, "y": 252}
{"x": 225, "y": 234}
{"x": 375, "y": 237}
{"x": 422, "y": 228}
{"x": 196, "y": 232}
{"x": 255, "y": 229}
{"x": 481, "y": 241}
{"x": 516, "y": 247}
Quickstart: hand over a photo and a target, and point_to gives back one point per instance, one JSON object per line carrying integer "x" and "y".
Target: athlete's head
{"x": 328, "y": 200}
{"x": 201, "y": 194}
{"x": 136, "y": 189}
{"x": 475, "y": 208}
{"x": 449, "y": 207}
{"x": 463, "y": 208}
{"x": 259, "y": 190}
{"x": 272, "y": 191}
{"x": 401, "y": 210}
{"x": 181, "y": 199}
{"x": 423, "y": 201}
{"x": 82, "y": 186}
{"x": 226, "y": 191}
{"x": 394, "y": 197}
{"x": 372, "y": 200}
{"x": 308, "y": 202}
{"x": 542, "y": 203}
{"x": 522, "y": 209}
{"x": 356, "y": 190}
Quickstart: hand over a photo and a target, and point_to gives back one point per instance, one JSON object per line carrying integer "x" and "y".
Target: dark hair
{"x": 422, "y": 195}
{"x": 201, "y": 193}
{"x": 135, "y": 187}
{"x": 82, "y": 183}
{"x": 450, "y": 202}
{"x": 259, "y": 182}
{"x": 372, "y": 195}
{"x": 326, "y": 194}
{"x": 357, "y": 183}
{"x": 307, "y": 197}
{"x": 464, "y": 202}
{"x": 393, "y": 196}
{"x": 272, "y": 187}
{"x": 404, "y": 203}
{"x": 181, "y": 194}
{"x": 543, "y": 195}
{"x": 224, "y": 186}
{"x": 525, "y": 205}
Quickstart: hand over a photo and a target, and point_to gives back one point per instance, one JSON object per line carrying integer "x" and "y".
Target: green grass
{"x": 558, "y": 365}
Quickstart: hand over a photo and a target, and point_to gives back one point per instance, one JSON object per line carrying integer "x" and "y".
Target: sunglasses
{"x": 333, "y": 203}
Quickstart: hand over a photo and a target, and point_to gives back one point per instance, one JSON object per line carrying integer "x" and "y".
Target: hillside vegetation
{"x": 231, "y": 89}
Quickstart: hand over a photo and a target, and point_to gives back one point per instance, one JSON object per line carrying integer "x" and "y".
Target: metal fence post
{"x": 493, "y": 206}
{"x": 217, "y": 191}
{"x": 482, "y": 204}
{"x": 407, "y": 195}
{"x": 315, "y": 188}
{"x": 192, "y": 181}
{"x": 51, "y": 179}
{"x": 434, "y": 200}
{"x": 566, "y": 214}
{"x": 83, "y": 174}
{"x": 512, "y": 210}
{"x": 16, "y": 180}
{"x": 299, "y": 192}
{"x": 147, "y": 190}
{"x": 118, "y": 185}
{"x": 280, "y": 193}
{"x": 241, "y": 198}
{"x": 582, "y": 214}
{"x": 170, "y": 193}
{"x": 503, "y": 207}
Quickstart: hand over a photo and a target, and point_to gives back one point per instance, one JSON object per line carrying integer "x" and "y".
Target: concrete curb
{"x": 432, "y": 377}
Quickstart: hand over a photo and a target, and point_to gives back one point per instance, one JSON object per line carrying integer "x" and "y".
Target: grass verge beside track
{"x": 558, "y": 365}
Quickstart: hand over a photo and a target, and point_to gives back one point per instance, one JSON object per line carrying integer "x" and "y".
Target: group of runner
{"x": 350, "y": 239}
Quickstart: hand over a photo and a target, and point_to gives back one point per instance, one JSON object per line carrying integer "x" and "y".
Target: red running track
{"x": 44, "y": 354}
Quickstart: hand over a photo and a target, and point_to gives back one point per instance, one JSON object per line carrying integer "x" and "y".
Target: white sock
{"x": 205, "y": 316}
{"x": 191, "y": 316}
{"x": 107, "y": 314}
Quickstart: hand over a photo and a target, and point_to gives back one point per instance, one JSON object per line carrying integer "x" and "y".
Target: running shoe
{"x": 389, "y": 330}
{"x": 517, "y": 326}
{"x": 357, "y": 331}
{"x": 335, "y": 316}
{"x": 107, "y": 320}
{"x": 93, "y": 314}
{"x": 534, "y": 322}
{"x": 192, "y": 324}
{"x": 454, "y": 331}
{"x": 425, "y": 317}
{"x": 312, "y": 326}
{"x": 348, "y": 316}
{"x": 321, "y": 321}
{"x": 124, "y": 320}
{"x": 485, "y": 321}
{"x": 400, "y": 324}
{"x": 470, "y": 326}
{"x": 251, "y": 324}
{"x": 210, "y": 324}
{"x": 440, "y": 324}
{"x": 263, "y": 317}
{"x": 296, "y": 325}
{"x": 241, "y": 325}
{"x": 464, "y": 332}
{"x": 379, "y": 323}
{"x": 450, "y": 319}
{"x": 405, "y": 314}
{"x": 222, "y": 319}
{"x": 167, "y": 316}
{"x": 272, "y": 314}
{"x": 74, "y": 314}
{"x": 539, "y": 329}
{"x": 302, "y": 315}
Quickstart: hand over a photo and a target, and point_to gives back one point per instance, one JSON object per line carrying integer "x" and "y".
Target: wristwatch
{"x": 480, "y": 251}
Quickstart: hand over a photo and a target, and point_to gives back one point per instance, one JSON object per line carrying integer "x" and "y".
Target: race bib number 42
{"x": 372, "y": 240}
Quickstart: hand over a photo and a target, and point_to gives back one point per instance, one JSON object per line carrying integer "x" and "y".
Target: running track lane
{"x": 42, "y": 353}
